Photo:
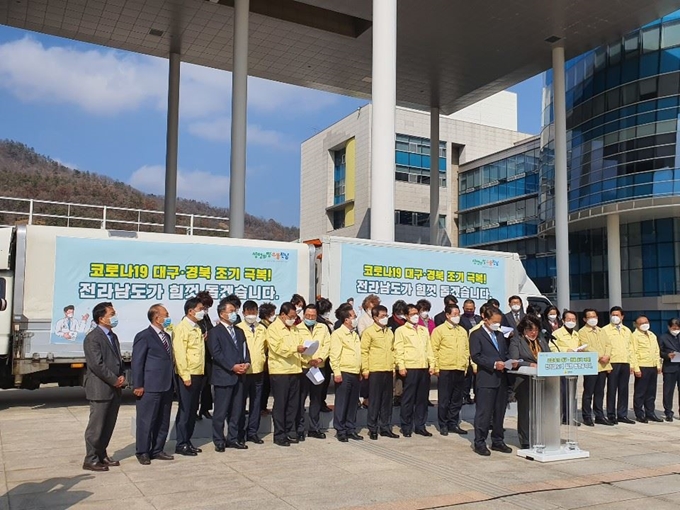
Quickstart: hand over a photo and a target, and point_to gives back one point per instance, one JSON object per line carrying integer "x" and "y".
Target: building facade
{"x": 335, "y": 176}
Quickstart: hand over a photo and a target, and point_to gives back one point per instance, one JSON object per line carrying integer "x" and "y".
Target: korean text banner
{"x": 556, "y": 364}
{"x": 133, "y": 275}
{"x": 410, "y": 274}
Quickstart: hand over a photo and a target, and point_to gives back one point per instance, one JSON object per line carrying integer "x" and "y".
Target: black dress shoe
{"x": 95, "y": 466}
{"x": 301, "y": 436}
{"x": 342, "y": 439}
{"x": 588, "y": 422}
{"x": 108, "y": 461}
{"x": 389, "y": 433}
{"x": 626, "y": 420}
{"x": 482, "y": 450}
{"x": 654, "y": 418}
{"x": 501, "y": 447}
{"x": 603, "y": 421}
{"x": 144, "y": 459}
{"x": 237, "y": 446}
{"x": 443, "y": 431}
{"x": 220, "y": 448}
{"x": 373, "y": 436}
{"x": 195, "y": 449}
{"x": 355, "y": 436}
{"x": 405, "y": 434}
{"x": 255, "y": 439}
{"x": 162, "y": 456}
{"x": 316, "y": 434}
{"x": 186, "y": 451}
{"x": 282, "y": 442}
{"x": 669, "y": 418}
{"x": 613, "y": 420}
{"x": 458, "y": 430}
{"x": 293, "y": 440}
{"x": 643, "y": 420}
{"x": 424, "y": 433}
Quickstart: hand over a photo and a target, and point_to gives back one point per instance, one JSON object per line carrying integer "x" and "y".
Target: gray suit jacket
{"x": 104, "y": 365}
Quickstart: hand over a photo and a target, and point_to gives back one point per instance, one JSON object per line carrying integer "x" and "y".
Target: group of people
{"x": 253, "y": 350}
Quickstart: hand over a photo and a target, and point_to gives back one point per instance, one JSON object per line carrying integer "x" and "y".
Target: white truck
{"x": 51, "y": 278}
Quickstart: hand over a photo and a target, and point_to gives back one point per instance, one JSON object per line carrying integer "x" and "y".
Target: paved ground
{"x": 41, "y": 450}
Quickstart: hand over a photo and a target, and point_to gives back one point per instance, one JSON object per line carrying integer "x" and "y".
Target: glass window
{"x": 630, "y": 45}
{"x": 614, "y": 53}
{"x": 649, "y": 65}
{"x": 650, "y": 39}
{"x": 670, "y": 35}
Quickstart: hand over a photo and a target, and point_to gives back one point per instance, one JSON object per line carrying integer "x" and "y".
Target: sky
{"x": 104, "y": 111}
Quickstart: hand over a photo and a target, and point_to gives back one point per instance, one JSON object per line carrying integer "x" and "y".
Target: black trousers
{"x": 229, "y": 408}
{"x": 451, "y": 386}
{"x": 415, "y": 399}
{"x": 103, "y": 417}
{"x": 328, "y": 375}
{"x": 266, "y": 389}
{"x": 252, "y": 390}
{"x": 593, "y": 395}
{"x": 188, "y": 407}
{"x": 617, "y": 382}
{"x": 380, "y": 388}
{"x": 153, "y": 422}
{"x": 346, "y": 403}
{"x": 364, "y": 389}
{"x": 644, "y": 392}
{"x": 315, "y": 394}
{"x": 206, "y": 392}
{"x": 523, "y": 396}
{"x": 470, "y": 378}
{"x": 286, "y": 391}
{"x": 670, "y": 382}
{"x": 490, "y": 405}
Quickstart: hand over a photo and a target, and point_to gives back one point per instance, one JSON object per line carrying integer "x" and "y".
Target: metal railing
{"x": 16, "y": 211}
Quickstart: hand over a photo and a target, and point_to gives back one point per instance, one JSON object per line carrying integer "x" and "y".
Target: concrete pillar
{"x": 239, "y": 121}
{"x": 614, "y": 260}
{"x": 384, "y": 98}
{"x": 434, "y": 176}
{"x": 561, "y": 202}
{"x": 171, "y": 146}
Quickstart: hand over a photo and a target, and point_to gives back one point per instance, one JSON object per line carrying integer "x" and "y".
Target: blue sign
{"x": 134, "y": 275}
{"x": 395, "y": 273}
{"x": 558, "y": 364}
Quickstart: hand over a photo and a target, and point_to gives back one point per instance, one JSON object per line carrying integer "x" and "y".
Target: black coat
{"x": 152, "y": 365}
{"x": 226, "y": 354}
{"x": 484, "y": 353}
{"x": 667, "y": 344}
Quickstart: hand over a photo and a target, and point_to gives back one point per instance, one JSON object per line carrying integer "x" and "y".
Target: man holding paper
{"x": 593, "y": 385}
{"x": 377, "y": 362}
{"x": 669, "y": 344}
{"x": 316, "y": 339}
{"x": 345, "y": 358}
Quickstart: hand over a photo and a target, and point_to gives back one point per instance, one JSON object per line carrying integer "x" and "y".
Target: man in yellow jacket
{"x": 415, "y": 361}
{"x": 451, "y": 349}
{"x": 256, "y": 337}
{"x": 566, "y": 339}
{"x": 345, "y": 358}
{"x": 313, "y": 331}
{"x": 188, "y": 347}
{"x": 285, "y": 367}
{"x": 618, "y": 380}
{"x": 646, "y": 364}
{"x": 597, "y": 341}
{"x": 377, "y": 365}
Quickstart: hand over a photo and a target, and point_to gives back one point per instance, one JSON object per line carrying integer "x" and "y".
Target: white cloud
{"x": 193, "y": 184}
{"x": 219, "y": 130}
{"x": 107, "y": 82}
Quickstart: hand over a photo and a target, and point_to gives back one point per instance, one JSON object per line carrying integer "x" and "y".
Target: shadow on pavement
{"x": 51, "y": 398}
{"x": 55, "y": 493}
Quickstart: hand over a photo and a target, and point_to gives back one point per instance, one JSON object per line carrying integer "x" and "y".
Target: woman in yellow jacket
{"x": 646, "y": 365}
{"x": 415, "y": 361}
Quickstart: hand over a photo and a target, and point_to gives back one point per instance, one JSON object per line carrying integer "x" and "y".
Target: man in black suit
{"x": 669, "y": 345}
{"x": 440, "y": 318}
{"x": 153, "y": 369}
{"x": 231, "y": 359}
{"x": 516, "y": 313}
{"x": 103, "y": 382}
{"x": 469, "y": 319}
{"x": 489, "y": 351}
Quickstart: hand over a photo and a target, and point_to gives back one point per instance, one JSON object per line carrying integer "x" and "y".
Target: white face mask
{"x": 644, "y": 327}
{"x": 250, "y": 319}
{"x": 592, "y": 322}
{"x": 383, "y": 321}
{"x": 290, "y": 322}
{"x": 402, "y": 317}
{"x": 552, "y": 317}
{"x": 570, "y": 324}
{"x": 298, "y": 311}
{"x": 355, "y": 323}
{"x": 413, "y": 319}
{"x": 675, "y": 332}
{"x": 615, "y": 320}
{"x": 495, "y": 326}
{"x": 515, "y": 308}
{"x": 272, "y": 318}
{"x": 424, "y": 315}
{"x": 199, "y": 315}
{"x": 455, "y": 319}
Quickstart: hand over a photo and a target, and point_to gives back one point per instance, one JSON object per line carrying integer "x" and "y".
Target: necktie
{"x": 495, "y": 341}
{"x": 112, "y": 339}
{"x": 516, "y": 317}
{"x": 165, "y": 340}
{"x": 252, "y": 328}
{"x": 68, "y": 324}
{"x": 233, "y": 335}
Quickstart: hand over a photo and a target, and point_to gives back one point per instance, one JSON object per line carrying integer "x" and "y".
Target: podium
{"x": 546, "y": 443}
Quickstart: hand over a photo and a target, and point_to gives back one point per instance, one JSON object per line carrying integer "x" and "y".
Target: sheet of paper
{"x": 311, "y": 346}
{"x": 315, "y": 375}
{"x": 582, "y": 348}
{"x": 508, "y": 363}
{"x": 676, "y": 359}
{"x": 506, "y": 331}
{"x": 527, "y": 370}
